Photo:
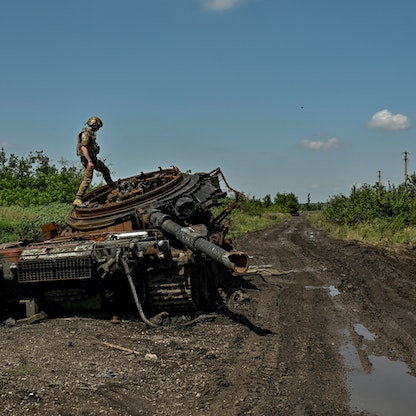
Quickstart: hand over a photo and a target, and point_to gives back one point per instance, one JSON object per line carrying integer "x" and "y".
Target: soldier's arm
{"x": 86, "y": 153}
{"x": 85, "y": 141}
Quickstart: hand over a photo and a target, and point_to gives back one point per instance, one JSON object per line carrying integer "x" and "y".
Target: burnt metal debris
{"x": 150, "y": 244}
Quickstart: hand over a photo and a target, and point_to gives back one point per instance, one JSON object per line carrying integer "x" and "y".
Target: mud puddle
{"x": 377, "y": 386}
{"x": 384, "y": 388}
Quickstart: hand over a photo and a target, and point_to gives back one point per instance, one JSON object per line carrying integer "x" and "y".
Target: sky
{"x": 285, "y": 96}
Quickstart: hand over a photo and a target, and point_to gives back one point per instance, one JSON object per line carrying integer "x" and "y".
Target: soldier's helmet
{"x": 94, "y": 121}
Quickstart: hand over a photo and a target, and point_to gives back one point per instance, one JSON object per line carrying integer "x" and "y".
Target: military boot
{"x": 77, "y": 202}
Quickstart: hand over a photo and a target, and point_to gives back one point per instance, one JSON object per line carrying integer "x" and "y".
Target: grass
{"x": 18, "y": 223}
{"x": 242, "y": 222}
{"x": 376, "y": 233}
{"x": 15, "y": 214}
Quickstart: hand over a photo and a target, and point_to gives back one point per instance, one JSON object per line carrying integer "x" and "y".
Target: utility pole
{"x": 379, "y": 186}
{"x": 406, "y": 176}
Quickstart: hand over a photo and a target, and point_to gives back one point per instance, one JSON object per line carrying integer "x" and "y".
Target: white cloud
{"x": 220, "y": 5}
{"x": 331, "y": 143}
{"x": 385, "y": 120}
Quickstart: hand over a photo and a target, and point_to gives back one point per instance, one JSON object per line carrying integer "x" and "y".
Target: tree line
{"x": 35, "y": 180}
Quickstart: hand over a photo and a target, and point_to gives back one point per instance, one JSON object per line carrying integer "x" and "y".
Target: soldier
{"x": 88, "y": 149}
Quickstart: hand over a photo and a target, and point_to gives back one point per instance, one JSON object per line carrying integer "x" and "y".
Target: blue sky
{"x": 301, "y": 96}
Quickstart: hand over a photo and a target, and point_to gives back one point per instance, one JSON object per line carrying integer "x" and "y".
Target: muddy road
{"x": 310, "y": 314}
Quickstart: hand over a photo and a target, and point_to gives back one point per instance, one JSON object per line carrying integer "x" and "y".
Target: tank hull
{"x": 149, "y": 245}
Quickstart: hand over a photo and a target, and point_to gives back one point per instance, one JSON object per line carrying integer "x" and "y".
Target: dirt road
{"x": 287, "y": 343}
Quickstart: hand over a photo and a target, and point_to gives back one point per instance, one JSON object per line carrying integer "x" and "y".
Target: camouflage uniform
{"x": 87, "y": 138}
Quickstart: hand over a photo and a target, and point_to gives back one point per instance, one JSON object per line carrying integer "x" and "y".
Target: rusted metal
{"x": 153, "y": 237}
{"x": 235, "y": 261}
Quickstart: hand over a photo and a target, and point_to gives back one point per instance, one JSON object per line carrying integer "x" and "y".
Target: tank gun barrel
{"x": 236, "y": 261}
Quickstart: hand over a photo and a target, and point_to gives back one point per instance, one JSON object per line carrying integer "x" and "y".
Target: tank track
{"x": 169, "y": 293}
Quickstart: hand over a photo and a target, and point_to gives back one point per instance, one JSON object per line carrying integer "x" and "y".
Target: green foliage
{"x": 243, "y": 222}
{"x": 255, "y": 214}
{"x": 286, "y": 203}
{"x": 283, "y": 203}
{"x": 251, "y": 207}
{"x": 19, "y": 223}
{"x": 375, "y": 232}
{"x": 372, "y": 213}
{"x": 368, "y": 203}
{"x": 33, "y": 192}
{"x": 34, "y": 180}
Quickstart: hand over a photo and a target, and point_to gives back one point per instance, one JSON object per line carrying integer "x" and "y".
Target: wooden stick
{"x": 119, "y": 347}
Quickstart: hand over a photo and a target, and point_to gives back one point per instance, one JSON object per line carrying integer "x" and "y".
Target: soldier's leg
{"x": 86, "y": 182}
{"x": 101, "y": 167}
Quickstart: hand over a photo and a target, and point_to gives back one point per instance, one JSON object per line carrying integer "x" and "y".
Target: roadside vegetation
{"x": 371, "y": 213}
{"x": 34, "y": 192}
{"x": 35, "y": 180}
{"x": 257, "y": 214}
{"x": 20, "y": 223}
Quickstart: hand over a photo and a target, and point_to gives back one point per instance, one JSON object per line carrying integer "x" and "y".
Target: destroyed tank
{"x": 149, "y": 244}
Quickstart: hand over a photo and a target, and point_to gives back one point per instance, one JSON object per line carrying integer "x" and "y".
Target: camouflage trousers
{"x": 89, "y": 174}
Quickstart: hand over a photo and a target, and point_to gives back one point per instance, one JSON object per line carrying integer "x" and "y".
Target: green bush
{"x": 373, "y": 213}
{"x": 19, "y": 223}
{"x": 34, "y": 180}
